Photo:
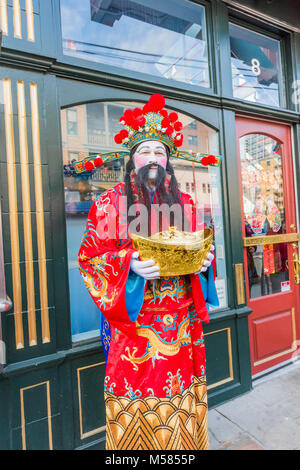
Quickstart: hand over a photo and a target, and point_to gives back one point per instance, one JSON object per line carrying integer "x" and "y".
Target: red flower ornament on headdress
{"x": 152, "y": 122}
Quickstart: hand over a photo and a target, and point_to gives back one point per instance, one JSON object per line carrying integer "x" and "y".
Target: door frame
{"x": 290, "y": 199}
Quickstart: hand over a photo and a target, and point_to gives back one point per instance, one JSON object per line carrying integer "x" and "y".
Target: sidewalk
{"x": 266, "y": 418}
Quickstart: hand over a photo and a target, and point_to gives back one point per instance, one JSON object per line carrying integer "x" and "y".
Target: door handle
{"x": 239, "y": 284}
{"x": 296, "y": 262}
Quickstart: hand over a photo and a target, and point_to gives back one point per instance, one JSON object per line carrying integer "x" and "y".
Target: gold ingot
{"x": 176, "y": 253}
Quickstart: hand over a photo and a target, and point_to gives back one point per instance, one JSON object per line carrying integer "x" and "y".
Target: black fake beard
{"x": 143, "y": 176}
{"x": 169, "y": 196}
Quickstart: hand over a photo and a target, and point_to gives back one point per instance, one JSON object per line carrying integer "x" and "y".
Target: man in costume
{"x": 155, "y": 383}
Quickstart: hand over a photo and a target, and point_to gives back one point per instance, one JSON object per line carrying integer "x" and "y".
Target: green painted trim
{"x": 65, "y": 70}
{"x": 51, "y": 360}
{"x": 219, "y": 397}
{"x": 228, "y": 314}
{"x": 224, "y": 59}
{"x": 234, "y": 247}
{"x": 233, "y": 104}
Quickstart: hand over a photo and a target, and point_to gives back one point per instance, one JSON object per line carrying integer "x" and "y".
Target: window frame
{"x": 223, "y": 123}
{"x": 181, "y": 109}
{"x": 139, "y": 77}
{"x": 284, "y": 102}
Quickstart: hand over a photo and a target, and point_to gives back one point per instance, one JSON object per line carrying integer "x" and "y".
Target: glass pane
{"x": 267, "y": 269}
{"x": 97, "y": 124}
{"x": 167, "y": 41}
{"x": 204, "y": 185}
{"x": 263, "y": 201}
{"x": 255, "y": 63}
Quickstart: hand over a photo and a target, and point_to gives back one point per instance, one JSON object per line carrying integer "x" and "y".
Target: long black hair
{"x": 165, "y": 195}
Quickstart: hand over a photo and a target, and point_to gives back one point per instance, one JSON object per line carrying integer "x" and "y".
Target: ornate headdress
{"x": 152, "y": 122}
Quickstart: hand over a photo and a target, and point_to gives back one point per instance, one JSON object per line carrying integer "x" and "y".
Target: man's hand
{"x": 147, "y": 269}
{"x": 208, "y": 260}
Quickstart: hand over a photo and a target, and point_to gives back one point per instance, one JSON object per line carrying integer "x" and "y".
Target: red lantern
{"x": 204, "y": 161}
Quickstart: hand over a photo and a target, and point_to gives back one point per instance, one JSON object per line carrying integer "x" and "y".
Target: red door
{"x": 270, "y": 240}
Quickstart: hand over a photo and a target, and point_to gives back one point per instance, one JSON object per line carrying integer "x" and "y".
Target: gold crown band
{"x": 215, "y": 160}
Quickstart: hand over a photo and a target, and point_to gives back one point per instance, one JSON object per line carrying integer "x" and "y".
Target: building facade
{"x": 231, "y": 70}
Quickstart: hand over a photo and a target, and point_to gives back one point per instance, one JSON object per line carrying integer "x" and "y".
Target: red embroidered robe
{"x": 155, "y": 384}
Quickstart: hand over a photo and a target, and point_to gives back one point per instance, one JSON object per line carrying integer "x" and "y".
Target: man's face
{"x": 150, "y": 152}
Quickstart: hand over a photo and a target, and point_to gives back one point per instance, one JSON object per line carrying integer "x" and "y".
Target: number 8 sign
{"x": 255, "y": 66}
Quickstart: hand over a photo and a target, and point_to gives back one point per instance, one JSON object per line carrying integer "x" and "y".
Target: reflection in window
{"x": 263, "y": 201}
{"x": 167, "y": 41}
{"x": 256, "y": 68}
{"x": 72, "y": 128}
{"x": 192, "y": 125}
{"x": 192, "y": 140}
{"x": 97, "y": 125}
{"x": 193, "y": 178}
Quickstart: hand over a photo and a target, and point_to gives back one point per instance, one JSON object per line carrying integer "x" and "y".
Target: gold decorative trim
{"x": 84, "y": 435}
{"x": 3, "y": 17}
{"x": 30, "y": 21}
{"x": 39, "y": 213}
{"x": 23, "y": 422}
{"x": 239, "y": 284}
{"x": 230, "y": 364}
{"x": 13, "y": 213}
{"x": 178, "y": 422}
{"x": 271, "y": 239}
{"x": 17, "y": 19}
{"x": 26, "y": 214}
{"x": 282, "y": 353}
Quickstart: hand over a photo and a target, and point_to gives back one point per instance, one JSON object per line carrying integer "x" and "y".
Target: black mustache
{"x": 143, "y": 174}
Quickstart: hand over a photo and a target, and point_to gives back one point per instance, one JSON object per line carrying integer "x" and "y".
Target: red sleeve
{"x": 104, "y": 262}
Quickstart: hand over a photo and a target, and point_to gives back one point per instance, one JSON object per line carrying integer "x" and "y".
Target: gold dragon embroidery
{"x": 156, "y": 345}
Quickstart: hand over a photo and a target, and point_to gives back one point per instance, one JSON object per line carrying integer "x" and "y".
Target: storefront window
{"x": 97, "y": 125}
{"x": 264, "y": 211}
{"x": 166, "y": 40}
{"x": 256, "y": 67}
